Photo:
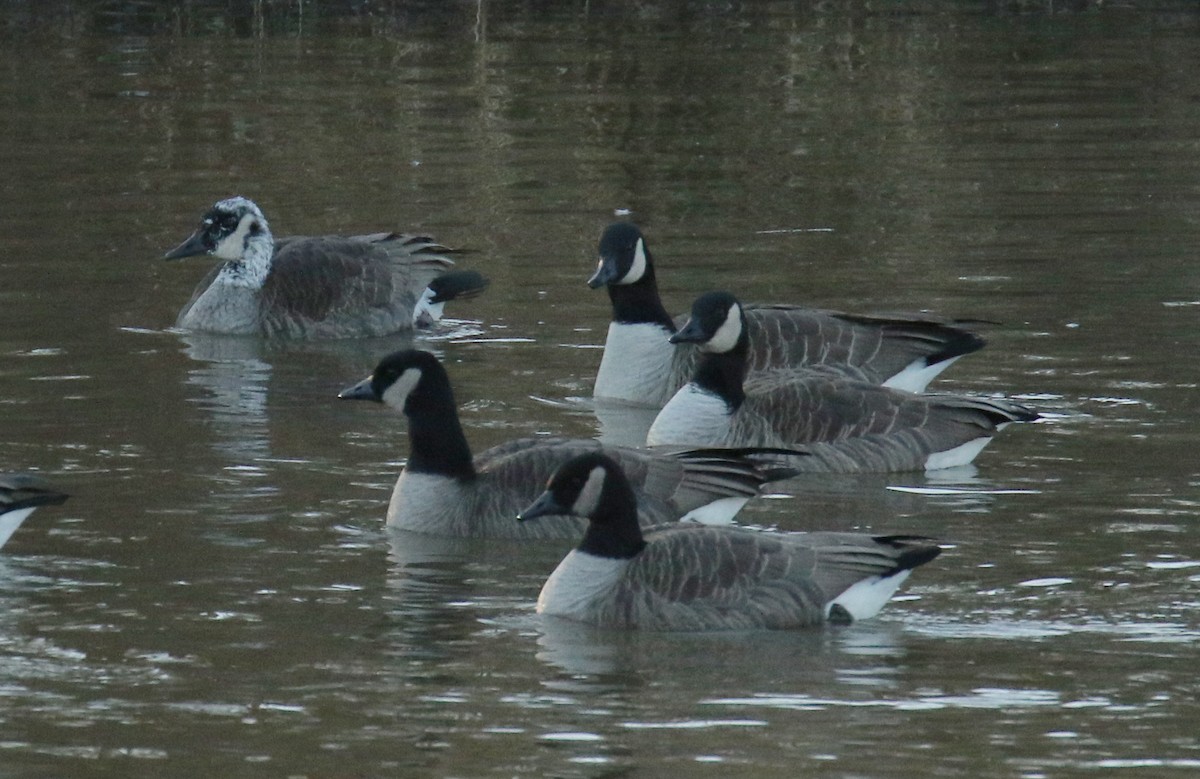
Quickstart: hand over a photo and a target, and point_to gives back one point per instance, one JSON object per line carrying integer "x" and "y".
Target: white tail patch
{"x": 962, "y": 454}
{"x": 917, "y": 375}
{"x": 720, "y": 512}
{"x": 864, "y": 599}
{"x": 426, "y": 313}
{"x": 10, "y": 521}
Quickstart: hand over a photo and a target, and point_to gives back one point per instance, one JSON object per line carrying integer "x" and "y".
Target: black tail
{"x": 456, "y": 284}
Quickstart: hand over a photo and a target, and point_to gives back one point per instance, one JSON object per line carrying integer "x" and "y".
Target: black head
{"x": 397, "y": 378}
{"x": 717, "y": 323}
{"x": 624, "y": 258}
{"x": 223, "y": 231}
{"x": 591, "y": 485}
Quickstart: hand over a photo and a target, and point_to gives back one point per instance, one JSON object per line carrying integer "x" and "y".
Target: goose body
{"x": 444, "y": 490}
{"x": 905, "y": 351}
{"x": 846, "y": 425}
{"x": 697, "y": 577}
{"x": 20, "y": 495}
{"x": 316, "y": 287}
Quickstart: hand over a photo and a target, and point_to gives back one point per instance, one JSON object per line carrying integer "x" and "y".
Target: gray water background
{"x": 219, "y": 597}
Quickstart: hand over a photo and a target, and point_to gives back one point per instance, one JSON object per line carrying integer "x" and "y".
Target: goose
{"x": 443, "y": 490}
{"x": 20, "y": 494}
{"x": 639, "y": 366}
{"x": 313, "y": 287}
{"x": 845, "y": 425}
{"x": 700, "y": 577}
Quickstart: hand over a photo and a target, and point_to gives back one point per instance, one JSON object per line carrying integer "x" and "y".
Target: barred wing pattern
{"x": 692, "y": 577}
{"x": 667, "y": 485}
{"x": 359, "y": 285}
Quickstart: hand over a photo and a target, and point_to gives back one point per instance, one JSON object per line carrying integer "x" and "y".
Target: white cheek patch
{"x": 232, "y": 246}
{"x": 728, "y": 333}
{"x": 638, "y": 268}
{"x": 589, "y": 497}
{"x": 396, "y": 395}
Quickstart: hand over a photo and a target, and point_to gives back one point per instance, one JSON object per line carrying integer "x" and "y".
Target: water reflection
{"x": 234, "y": 374}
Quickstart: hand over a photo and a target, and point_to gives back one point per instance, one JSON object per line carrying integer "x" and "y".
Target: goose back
{"x": 319, "y": 287}
{"x": 903, "y": 350}
{"x": 443, "y": 489}
{"x": 669, "y": 486}
{"x": 845, "y": 424}
{"x": 696, "y": 577}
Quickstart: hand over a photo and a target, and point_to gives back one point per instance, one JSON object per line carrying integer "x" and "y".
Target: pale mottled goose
{"x": 20, "y": 494}
{"x": 639, "y": 366}
{"x": 313, "y": 287}
{"x": 845, "y": 424}
{"x": 443, "y": 490}
{"x": 697, "y": 577}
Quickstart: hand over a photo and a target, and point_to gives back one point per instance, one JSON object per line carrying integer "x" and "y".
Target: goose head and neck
{"x": 594, "y": 486}
{"x": 415, "y": 383}
{"x": 626, "y": 269}
{"x": 718, "y": 326}
{"x": 235, "y": 231}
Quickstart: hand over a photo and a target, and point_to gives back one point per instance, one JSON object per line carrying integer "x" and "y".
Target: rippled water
{"x": 219, "y": 595}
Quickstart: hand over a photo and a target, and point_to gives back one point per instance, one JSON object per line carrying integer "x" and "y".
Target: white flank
{"x": 636, "y": 361}
{"x": 864, "y": 599}
{"x": 694, "y": 417}
{"x": 962, "y": 454}
{"x": 10, "y": 521}
{"x": 398, "y": 392}
{"x": 578, "y": 581}
{"x": 720, "y": 512}
{"x": 916, "y": 375}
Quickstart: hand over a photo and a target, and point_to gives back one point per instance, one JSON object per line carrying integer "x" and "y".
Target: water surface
{"x": 219, "y": 595}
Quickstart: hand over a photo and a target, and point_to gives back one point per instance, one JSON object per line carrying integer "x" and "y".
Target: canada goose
{"x": 697, "y": 577}
{"x": 639, "y": 366}
{"x": 312, "y": 287}
{"x": 846, "y": 425}
{"x": 443, "y": 490}
{"x": 20, "y": 494}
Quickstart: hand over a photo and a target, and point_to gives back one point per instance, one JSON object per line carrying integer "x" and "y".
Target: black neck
{"x": 639, "y": 303}
{"x": 436, "y": 440}
{"x": 616, "y": 534}
{"x": 723, "y": 373}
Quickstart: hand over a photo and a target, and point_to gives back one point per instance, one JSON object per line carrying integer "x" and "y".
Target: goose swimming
{"x": 639, "y": 366}
{"x": 698, "y": 577}
{"x": 846, "y": 425}
{"x": 445, "y": 491}
{"x": 319, "y": 287}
